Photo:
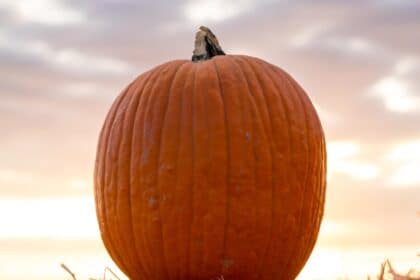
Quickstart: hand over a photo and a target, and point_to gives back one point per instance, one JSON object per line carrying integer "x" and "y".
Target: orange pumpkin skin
{"x": 211, "y": 169}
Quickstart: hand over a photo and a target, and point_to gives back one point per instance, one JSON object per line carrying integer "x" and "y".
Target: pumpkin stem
{"x": 206, "y": 45}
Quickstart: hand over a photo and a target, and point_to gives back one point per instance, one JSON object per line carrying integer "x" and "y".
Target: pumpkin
{"x": 212, "y": 167}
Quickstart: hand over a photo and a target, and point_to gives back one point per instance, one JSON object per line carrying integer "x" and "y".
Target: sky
{"x": 62, "y": 63}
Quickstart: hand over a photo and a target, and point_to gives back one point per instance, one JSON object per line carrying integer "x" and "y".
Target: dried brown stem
{"x": 206, "y": 45}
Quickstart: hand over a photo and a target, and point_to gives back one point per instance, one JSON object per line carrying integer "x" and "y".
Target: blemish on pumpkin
{"x": 198, "y": 241}
{"x": 166, "y": 167}
{"x": 247, "y": 136}
{"x": 145, "y": 155}
{"x": 227, "y": 262}
{"x": 152, "y": 202}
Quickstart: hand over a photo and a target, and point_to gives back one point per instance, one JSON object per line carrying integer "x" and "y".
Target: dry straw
{"x": 387, "y": 272}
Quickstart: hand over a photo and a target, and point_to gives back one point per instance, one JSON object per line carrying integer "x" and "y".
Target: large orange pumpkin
{"x": 211, "y": 168}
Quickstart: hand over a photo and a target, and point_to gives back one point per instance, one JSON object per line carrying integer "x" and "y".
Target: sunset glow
{"x": 62, "y": 63}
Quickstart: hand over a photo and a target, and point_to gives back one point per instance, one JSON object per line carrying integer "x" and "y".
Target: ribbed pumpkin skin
{"x": 209, "y": 169}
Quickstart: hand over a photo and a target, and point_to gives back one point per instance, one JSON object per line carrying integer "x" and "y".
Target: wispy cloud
{"x": 343, "y": 159}
{"x": 216, "y": 10}
{"x": 50, "y": 12}
{"x": 65, "y": 59}
{"x": 396, "y": 94}
{"x": 405, "y": 158}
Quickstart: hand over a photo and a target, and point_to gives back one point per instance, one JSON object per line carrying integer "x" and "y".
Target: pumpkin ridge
{"x": 158, "y": 156}
{"x": 242, "y": 125}
{"x": 260, "y": 266}
{"x": 266, "y": 119}
{"x": 99, "y": 180}
{"x": 254, "y": 117}
{"x": 184, "y": 181}
{"x": 286, "y": 176}
{"x": 323, "y": 167}
{"x": 141, "y": 95}
{"x": 279, "y": 91}
{"x": 212, "y": 135}
{"x": 192, "y": 246}
{"x": 300, "y": 94}
{"x": 178, "y": 151}
{"x": 259, "y": 114}
{"x": 151, "y": 86}
{"x": 113, "y": 189}
{"x": 106, "y": 183}
{"x": 125, "y": 120}
{"x": 202, "y": 167}
{"x": 262, "y": 132}
{"x": 318, "y": 170}
{"x": 238, "y": 172}
{"x": 321, "y": 196}
{"x": 204, "y": 96}
{"x": 314, "y": 219}
{"x": 248, "y": 111}
{"x": 137, "y": 158}
{"x": 227, "y": 164}
{"x": 315, "y": 224}
{"x": 170, "y": 228}
{"x": 156, "y": 111}
{"x": 206, "y": 114}
{"x": 324, "y": 179}
{"x": 217, "y": 167}
{"x": 292, "y": 258}
{"x": 192, "y": 177}
{"x": 313, "y": 170}
{"x": 107, "y": 180}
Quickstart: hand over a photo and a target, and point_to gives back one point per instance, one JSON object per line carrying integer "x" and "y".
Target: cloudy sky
{"x": 63, "y": 62}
